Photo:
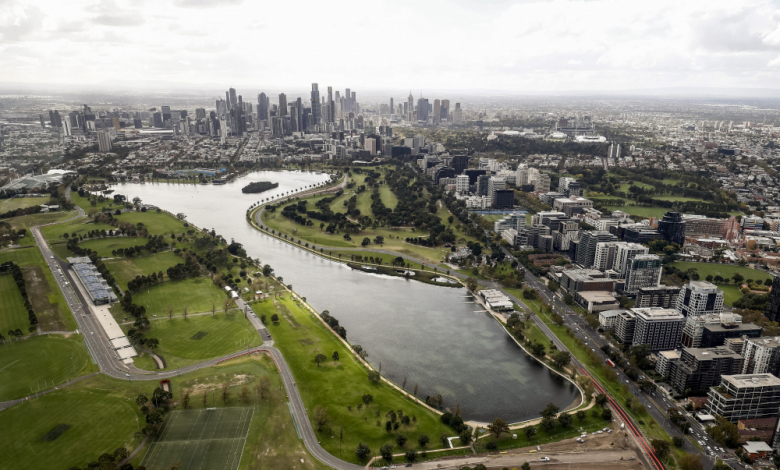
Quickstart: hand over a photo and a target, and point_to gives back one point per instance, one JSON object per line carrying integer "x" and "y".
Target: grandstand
{"x": 98, "y": 289}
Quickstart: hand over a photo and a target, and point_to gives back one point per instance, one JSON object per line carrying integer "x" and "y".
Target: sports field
{"x": 201, "y": 439}
{"x": 13, "y": 315}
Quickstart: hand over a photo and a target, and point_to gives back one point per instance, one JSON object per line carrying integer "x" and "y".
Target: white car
{"x": 544, "y": 459}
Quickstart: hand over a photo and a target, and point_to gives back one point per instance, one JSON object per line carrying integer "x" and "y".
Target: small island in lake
{"x": 259, "y": 187}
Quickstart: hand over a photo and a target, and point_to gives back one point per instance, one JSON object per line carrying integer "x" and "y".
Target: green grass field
{"x": 85, "y": 203}
{"x": 201, "y": 440}
{"x": 126, "y": 269}
{"x": 624, "y": 187}
{"x": 48, "y": 303}
{"x": 14, "y": 203}
{"x": 224, "y": 335}
{"x": 589, "y": 424}
{"x": 13, "y": 315}
{"x": 337, "y": 385}
{"x": 388, "y": 198}
{"x": 104, "y": 246}
{"x": 679, "y": 198}
{"x": 41, "y": 362}
{"x": 156, "y": 223}
{"x": 723, "y": 270}
{"x": 75, "y": 227}
{"x": 197, "y": 294}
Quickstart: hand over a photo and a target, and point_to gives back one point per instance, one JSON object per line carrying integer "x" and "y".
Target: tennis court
{"x": 201, "y": 440}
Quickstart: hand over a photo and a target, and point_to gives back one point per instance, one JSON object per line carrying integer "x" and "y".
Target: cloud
{"x": 206, "y": 3}
{"x": 120, "y": 20}
{"x": 19, "y": 21}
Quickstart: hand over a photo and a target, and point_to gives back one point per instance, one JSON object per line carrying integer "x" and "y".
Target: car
{"x": 127, "y": 375}
{"x": 632, "y": 458}
{"x": 408, "y": 465}
{"x": 605, "y": 429}
{"x": 599, "y": 432}
{"x": 544, "y": 459}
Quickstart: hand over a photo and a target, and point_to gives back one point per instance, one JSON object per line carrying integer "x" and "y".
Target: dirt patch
{"x": 306, "y": 341}
{"x": 215, "y": 382}
{"x": 199, "y": 335}
{"x": 38, "y": 289}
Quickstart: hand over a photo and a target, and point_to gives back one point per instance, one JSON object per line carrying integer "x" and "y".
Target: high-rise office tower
{"x": 166, "y": 115}
{"x": 586, "y": 250}
{"x": 104, "y": 140}
{"x": 200, "y": 113}
{"x": 232, "y": 98}
{"x": 672, "y": 227}
{"x": 347, "y": 101}
{"x": 316, "y": 107}
{"x": 436, "y": 111}
{"x": 299, "y": 114}
{"x": 410, "y": 105}
{"x": 221, "y": 106}
{"x": 422, "y": 109}
{"x": 262, "y": 107}
{"x": 391, "y": 106}
{"x": 282, "y": 104}
{"x": 43, "y": 122}
{"x": 445, "y": 111}
{"x": 331, "y": 106}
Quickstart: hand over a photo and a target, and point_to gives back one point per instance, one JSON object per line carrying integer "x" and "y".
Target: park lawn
{"x": 624, "y": 187}
{"x": 224, "y": 334}
{"x": 104, "y": 246}
{"x": 641, "y": 211}
{"x": 125, "y": 270}
{"x": 14, "y": 203}
{"x": 13, "y": 315}
{"x": 364, "y": 203}
{"x": 21, "y": 256}
{"x": 157, "y": 223}
{"x": 46, "y": 297}
{"x": 27, "y": 221}
{"x": 339, "y": 384}
{"x": 730, "y": 293}
{"x": 272, "y": 441}
{"x": 41, "y": 362}
{"x": 195, "y": 294}
{"x": 723, "y": 270}
{"x": 388, "y": 197}
{"x": 386, "y": 259}
{"x": 60, "y": 249}
{"x": 589, "y": 424}
{"x": 277, "y": 222}
{"x": 79, "y": 227}
{"x": 680, "y": 199}
{"x": 85, "y": 203}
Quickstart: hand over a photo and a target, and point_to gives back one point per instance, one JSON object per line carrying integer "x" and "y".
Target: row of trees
{"x": 16, "y": 273}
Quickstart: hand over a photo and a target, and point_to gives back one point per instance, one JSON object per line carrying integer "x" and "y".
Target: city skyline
{"x": 524, "y": 47}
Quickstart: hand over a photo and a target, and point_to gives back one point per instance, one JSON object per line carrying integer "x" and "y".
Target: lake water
{"x": 436, "y": 337}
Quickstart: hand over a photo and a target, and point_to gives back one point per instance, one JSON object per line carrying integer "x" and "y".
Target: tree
{"x": 411, "y": 455}
{"x": 568, "y": 299}
{"x": 465, "y": 437}
{"x": 367, "y": 399}
{"x": 565, "y": 419}
{"x": 362, "y": 451}
{"x": 225, "y": 394}
{"x": 553, "y": 286}
{"x": 581, "y": 415}
{"x": 263, "y": 385}
{"x": 423, "y": 440}
{"x": 386, "y": 451}
{"x": 550, "y": 411}
{"x": 691, "y": 462}
{"x": 400, "y": 440}
{"x": 379, "y": 239}
{"x": 606, "y": 414}
{"x": 205, "y": 398}
{"x": 244, "y": 394}
{"x": 373, "y": 376}
{"x": 185, "y": 400}
{"x": 647, "y": 386}
{"x": 601, "y": 399}
{"x": 141, "y": 400}
{"x": 547, "y": 423}
{"x": 335, "y": 356}
{"x": 537, "y": 349}
{"x": 275, "y": 318}
{"x": 498, "y": 427}
{"x": 471, "y": 284}
{"x": 719, "y": 465}
{"x": 678, "y": 441}
{"x": 321, "y": 417}
{"x": 529, "y": 431}
{"x": 525, "y": 466}
{"x": 737, "y": 278}
{"x": 561, "y": 359}
{"x": 320, "y": 358}
{"x": 366, "y": 241}
{"x": 661, "y": 447}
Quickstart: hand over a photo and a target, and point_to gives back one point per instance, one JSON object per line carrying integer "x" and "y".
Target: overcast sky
{"x": 519, "y": 46}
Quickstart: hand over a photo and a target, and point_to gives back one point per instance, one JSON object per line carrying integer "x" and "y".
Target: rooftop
{"x": 752, "y": 380}
{"x": 704, "y": 354}
{"x": 658, "y": 314}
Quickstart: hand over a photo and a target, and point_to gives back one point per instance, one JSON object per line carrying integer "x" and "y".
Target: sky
{"x": 516, "y": 46}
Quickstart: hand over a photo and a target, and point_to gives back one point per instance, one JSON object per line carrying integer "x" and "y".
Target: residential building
{"x": 757, "y": 450}
{"x": 658, "y": 296}
{"x": 762, "y": 356}
{"x": 579, "y": 280}
{"x": 745, "y": 396}
{"x": 542, "y": 183}
{"x": 756, "y": 429}
{"x": 694, "y": 326}
{"x": 516, "y": 220}
{"x": 503, "y": 198}
{"x": 586, "y": 250}
{"x": 666, "y": 360}
{"x": 462, "y": 184}
{"x": 104, "y": 140}
{"x": 624, "y": 253}
{"x": 699, "y": 298}
{"x": 608, "y": 318}
{"x": 659, "y": 327}
{"x": 672, "y": 228}
{"x": 604, "y": 259}
{"x": 717, "y": 335}
{"x": 699, "y": 369}
{"x": 625, "y": 327}
{"x": 572, "y": 206}
{"x": 773, "y": 307}
{"x": 596, "y": 301}
{"x": 643, "y": 271}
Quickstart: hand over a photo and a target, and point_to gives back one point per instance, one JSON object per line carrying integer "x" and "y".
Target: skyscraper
{"x": 672, "y": 227}
{"x": 422, "y": 109}
{"x": 262, "y": 107}
{"x": 410, "y": 105}
{"x": 331, "y": 106}
{"x": 391, "y": 106}
{"x": 586, "y": 250}
{"x": 773, "y": 307}
{"x": 316, "y": 107}
{"x": 436, "y": 111}
{"x": 347, "y": 101}
{"x": 282, "y": 104}
{"x": 445, "y": 110}
{"x": 104, "y": 140}
{"x": 232, "y": 98}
